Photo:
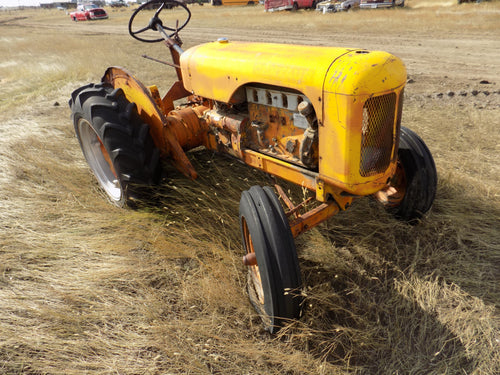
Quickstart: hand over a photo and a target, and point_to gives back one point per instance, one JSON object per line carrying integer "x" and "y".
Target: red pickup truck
{"x": 274, "y": 5}
{"x": 86, "y": 12}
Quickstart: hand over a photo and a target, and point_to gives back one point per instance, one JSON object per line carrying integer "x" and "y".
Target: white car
{"x": 372, "y": 4}
{"x": 332, "y": 6}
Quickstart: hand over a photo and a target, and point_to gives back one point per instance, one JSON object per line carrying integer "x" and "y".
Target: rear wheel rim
{"x": 99, "y": 160}
{"x": 256, "y": 281}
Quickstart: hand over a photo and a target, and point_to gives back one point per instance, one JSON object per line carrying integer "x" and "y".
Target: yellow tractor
{"x": 326, "y": 119}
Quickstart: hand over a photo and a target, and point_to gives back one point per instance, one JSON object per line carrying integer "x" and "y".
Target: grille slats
{"x": 377, "y": 134}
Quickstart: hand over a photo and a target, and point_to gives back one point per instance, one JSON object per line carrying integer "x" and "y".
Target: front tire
{"x": 274, "y": 280}
{"x": 115, "y": 142}
{"x": 412, "y": 190}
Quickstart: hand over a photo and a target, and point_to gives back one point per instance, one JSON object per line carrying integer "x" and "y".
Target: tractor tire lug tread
{"x": 124, "y": 135}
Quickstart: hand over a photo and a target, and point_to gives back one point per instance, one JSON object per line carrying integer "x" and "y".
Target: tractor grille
{"x": 377, "y": 134}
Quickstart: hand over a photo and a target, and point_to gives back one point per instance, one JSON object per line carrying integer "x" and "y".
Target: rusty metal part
{"x": 137, "y": 93}
{"x": 250, "y": 259}
{"x": 293, "y": 173}
{"x": 314, "y": 217}
{"x": 231, "y": 122}
{"x": 308, "y": 151}
{"x": 174, "y": 44}
{"x": 310, "y": 219}
{"x": 284, "y": 197}
{"x": 176, "y": 92}
{"x": 274, "y": 132}
{"x": 155, "y": 94}
{"x": 186, "y": 126}
{"x": 172, "y": 134}
{"x": 183, "y": 130}
{"x": 307, "y": 110}
{"x": 253, "y": 266}
{"x": 292, "y": 209}
{"x": 227, "y": 129}
{"x": 394, "y": 193}
{"x": 160, "y": 61}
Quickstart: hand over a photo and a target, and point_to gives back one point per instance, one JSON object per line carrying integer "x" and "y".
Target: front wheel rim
{"x": 99, "y": 160}
{"x": 394, "y": 193}
{"x": 256, "y": 281}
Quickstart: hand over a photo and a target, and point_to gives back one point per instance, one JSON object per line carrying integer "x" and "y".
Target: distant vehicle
{"x": 332, "y": 6}
{"x": 86, "y": 12}
{"x": 233, "y": 2}
{"x": 118, "y": 4}
{"x": 275, "y": 5}
{"x": 372, "y": 4}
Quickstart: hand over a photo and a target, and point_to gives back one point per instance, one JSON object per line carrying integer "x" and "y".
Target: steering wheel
{"x": 155, "y": 22}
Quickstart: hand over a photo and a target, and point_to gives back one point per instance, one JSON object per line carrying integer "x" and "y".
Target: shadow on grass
{"x": 381, "y": 296}
{"x": 404, "y": 298}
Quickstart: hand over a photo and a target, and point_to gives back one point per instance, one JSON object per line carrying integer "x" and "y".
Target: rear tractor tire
{"x": 274, "y": 281}
{"x": 413, "y": 188}
{"x": 115, "y": 142}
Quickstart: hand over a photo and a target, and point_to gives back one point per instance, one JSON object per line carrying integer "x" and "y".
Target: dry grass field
{"x": 89, "y": 288}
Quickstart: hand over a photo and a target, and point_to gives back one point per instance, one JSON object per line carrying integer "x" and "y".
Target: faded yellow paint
{"x": 337, "y": 81}
{"x": 351, "y": 80}
{"x": 217, "y": 70}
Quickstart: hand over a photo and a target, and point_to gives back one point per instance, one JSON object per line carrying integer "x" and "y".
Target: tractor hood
{"x": 216, "y": 70}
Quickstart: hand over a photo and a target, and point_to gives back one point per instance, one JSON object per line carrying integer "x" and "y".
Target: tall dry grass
{"x": 89, "y": 288}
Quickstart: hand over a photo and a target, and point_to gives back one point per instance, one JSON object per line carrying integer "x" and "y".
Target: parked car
{"x": 86, "y": 12}
{"x": 332, "y": 6}
{"x": 274, "y": 5}
{"x": 118, "y": 4}
{"x": 372, "y": 4}
{"x": 233, "y": 2}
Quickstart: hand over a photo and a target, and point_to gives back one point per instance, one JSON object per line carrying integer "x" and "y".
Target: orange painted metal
{"x": 309, "y": 219}
{"x": 250, "y": 259}
{"x": 172, "y": 134}
{"x": 314, "y": 217}
{"x": 183, "y": 130}
{"x": 273, "y": 133}
{"x": 276, "y": 167}
{"x": 393, "y": 194}
{"x": 285, "y": 198}
{"x": 155, "y": 94}
{"x": 227, "y": 130}
{"x": 176, "y": 92}
{"x": 324, "y": 158}
{"x": 186, "y": 127}
{"x": 107, "y": 158}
